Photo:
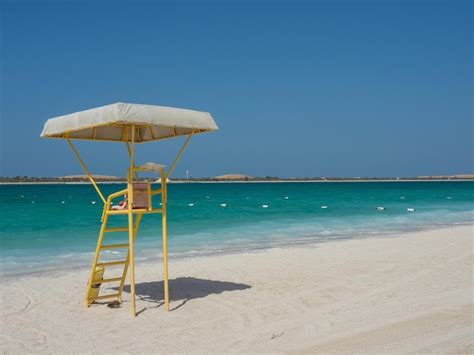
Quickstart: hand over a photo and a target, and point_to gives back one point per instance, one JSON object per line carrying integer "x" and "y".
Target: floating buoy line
{"x": 224, "y": 205}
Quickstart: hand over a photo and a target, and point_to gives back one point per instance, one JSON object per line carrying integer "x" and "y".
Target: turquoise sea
{"x": 44, "y": 226}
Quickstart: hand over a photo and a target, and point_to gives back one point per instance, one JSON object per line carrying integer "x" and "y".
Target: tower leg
{"x": 125, "y": 268}
{"x": 131, "y": 239}
{"x": 165, "y": 263}
{"x": 165, "y": 241}
{"x": 131, "y": 247}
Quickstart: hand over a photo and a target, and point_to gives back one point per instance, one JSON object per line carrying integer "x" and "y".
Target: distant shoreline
{"x": 233, "y": 181}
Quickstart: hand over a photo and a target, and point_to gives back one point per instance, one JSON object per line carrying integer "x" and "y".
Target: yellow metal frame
{"x": 132, "y": 228}
{"x": 84, "y": 167}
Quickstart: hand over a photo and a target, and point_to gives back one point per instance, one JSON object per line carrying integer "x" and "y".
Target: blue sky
{"x": 298, "y": 88}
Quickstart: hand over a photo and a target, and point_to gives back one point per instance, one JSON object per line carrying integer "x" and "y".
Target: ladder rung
{"x": 113, "y": 279}
{"x": 114, "y": 246}
{"x": 103, "y": 297}
{"x": 110, "y": 263}
{"x": 120, "y": 229}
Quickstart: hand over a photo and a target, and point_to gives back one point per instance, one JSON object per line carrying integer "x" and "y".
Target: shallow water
{"x": 45, "y": 225}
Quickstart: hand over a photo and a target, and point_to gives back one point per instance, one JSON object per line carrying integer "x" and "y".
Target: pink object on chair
{"x": 121, "y": 206}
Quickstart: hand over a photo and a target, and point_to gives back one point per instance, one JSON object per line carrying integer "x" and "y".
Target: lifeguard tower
{"x": 129, "y": 124}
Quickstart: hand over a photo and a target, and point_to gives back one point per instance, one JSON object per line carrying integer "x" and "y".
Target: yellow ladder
{"x": 134, "y": 216}
{"x": 96, "y": 264}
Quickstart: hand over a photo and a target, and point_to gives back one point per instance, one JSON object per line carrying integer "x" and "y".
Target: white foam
{"x": 324, "y": 207}
{"x": 264, "y": 206}
{"x": 223, "y": 204}
{"x": 191, "y": 204}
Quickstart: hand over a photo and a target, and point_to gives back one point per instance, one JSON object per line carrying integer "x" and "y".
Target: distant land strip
{"x": 226, "y": 178}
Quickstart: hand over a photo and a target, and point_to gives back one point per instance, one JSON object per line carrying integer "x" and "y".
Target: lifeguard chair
{"x": 129, "y": 124}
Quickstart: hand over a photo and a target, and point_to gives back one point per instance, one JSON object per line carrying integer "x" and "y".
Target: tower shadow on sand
{"x": 182, "y": 289}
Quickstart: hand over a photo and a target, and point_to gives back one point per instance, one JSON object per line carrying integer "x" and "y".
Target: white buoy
{"x": 63, "y": 202}
{"x": 402, "y": 197}
{"x": 22, "y": 196}
{"x": 32, "y": 201}
{"x": 448, "y": 198}
{"x": 286, "y": 197}
{"x": 324, "y": 207}
{"x": 207, "y": 196}
{"x": 380, "y": 208}
{"x": 264, "y": 206}
{"x": 93, "y": 202}
{"x": 191, "y": 204}
{"x": 223, "y": 204}
{"x": 411, "y": 209}
{"x": 161, "y": 204}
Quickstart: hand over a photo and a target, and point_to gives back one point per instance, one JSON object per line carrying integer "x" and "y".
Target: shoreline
{"x": 309, "y": 242}
{"x": 404, "y": 294}
{"x": 239, "y": 181}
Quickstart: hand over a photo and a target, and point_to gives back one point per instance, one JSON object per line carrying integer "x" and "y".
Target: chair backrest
{"x": 140, "y": 195}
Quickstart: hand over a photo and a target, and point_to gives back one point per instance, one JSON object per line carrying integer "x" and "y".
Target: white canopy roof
{"x": 114, "y": 123}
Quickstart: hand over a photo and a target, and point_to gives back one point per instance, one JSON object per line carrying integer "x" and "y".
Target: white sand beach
{"x": 399, "y": 294}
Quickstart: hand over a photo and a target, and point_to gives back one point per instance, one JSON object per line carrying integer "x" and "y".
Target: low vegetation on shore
{"x": 227, "y": 177}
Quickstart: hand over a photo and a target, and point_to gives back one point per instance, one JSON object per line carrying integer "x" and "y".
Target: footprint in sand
{"x": 18, "y": 338}
{"x": 13, "y": 300}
